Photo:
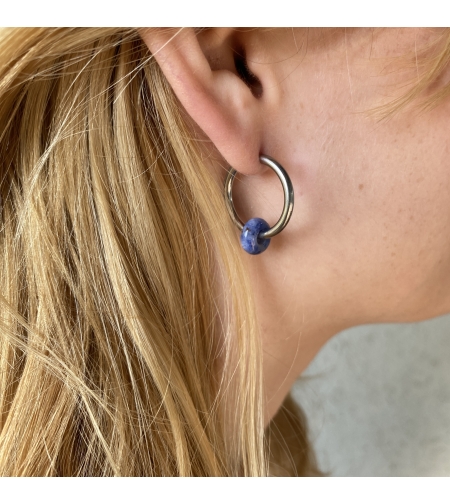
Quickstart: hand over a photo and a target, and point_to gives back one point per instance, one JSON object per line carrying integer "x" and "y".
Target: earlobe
{"x": 202, "y": 72}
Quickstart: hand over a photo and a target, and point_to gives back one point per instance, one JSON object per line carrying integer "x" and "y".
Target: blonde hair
{"x": 117, "y": 350}
{"x": 424, "y": 91}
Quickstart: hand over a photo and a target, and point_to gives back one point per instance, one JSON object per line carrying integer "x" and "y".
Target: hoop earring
{"x": 256, "y": 233}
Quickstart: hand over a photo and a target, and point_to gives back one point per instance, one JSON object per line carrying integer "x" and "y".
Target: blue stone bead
{"x": 250, "y": 241}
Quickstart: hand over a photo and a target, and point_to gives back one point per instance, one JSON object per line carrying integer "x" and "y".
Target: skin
{"x": 369, "y": 238}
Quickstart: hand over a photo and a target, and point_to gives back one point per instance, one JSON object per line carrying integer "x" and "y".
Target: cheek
{"x": 382, "y": 199}
{"x": 370, "y": 230}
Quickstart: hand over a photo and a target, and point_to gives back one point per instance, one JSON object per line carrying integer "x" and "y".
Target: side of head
{"x": 136, "y": 337}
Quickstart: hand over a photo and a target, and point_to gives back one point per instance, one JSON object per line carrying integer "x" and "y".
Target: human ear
{"x": 202, "y": 71}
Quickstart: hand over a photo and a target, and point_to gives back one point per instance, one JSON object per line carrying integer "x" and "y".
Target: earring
{"x": 256, "y": 233}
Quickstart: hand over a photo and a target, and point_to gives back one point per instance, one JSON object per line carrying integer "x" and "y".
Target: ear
{"x": 201, "y": 69}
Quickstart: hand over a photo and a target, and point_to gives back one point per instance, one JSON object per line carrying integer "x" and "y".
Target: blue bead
{"x": 249, "y": 236}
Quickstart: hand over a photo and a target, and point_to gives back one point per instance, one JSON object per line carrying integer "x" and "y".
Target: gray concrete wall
{"x": 378, "y": 400}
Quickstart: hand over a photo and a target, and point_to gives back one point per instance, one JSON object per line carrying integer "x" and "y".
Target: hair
{"x": 117, "y": 349}
{"x": 120, "y": 353}
{"x": 424, "y": 91}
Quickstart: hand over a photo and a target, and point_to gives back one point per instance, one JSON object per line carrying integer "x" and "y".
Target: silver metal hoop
{"x": 288, "y": 197}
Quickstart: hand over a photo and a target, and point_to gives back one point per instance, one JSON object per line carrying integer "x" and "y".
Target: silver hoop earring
{"x": 256, "y": 233}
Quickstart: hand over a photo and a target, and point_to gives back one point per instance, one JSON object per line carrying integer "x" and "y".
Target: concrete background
{"x": 377, "y": 398}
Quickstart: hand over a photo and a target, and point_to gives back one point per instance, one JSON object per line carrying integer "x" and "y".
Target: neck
{"x": 290, "y": 343}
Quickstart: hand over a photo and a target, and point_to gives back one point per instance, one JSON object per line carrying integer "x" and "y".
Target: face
{"x": 369, "y": 239}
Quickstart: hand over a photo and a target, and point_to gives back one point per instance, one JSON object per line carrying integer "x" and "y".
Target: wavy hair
{"x": 120, "y": 355}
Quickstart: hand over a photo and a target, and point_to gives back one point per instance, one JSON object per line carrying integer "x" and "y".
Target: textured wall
{"x": 378, "y": 400}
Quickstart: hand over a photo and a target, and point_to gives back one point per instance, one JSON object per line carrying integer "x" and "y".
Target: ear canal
{"x": 247, "y": 76}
